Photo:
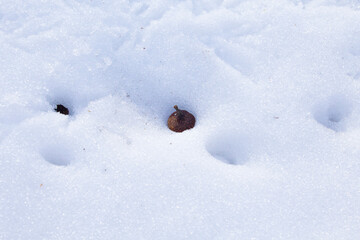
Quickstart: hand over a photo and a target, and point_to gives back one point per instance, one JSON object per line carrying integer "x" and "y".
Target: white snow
{"x": 274, "y": 86}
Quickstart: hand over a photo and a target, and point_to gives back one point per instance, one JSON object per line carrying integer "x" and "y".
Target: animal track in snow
{"x": 229, "y": 147}
{"x": 332, "y": 112}
{"x": 57, "y": 154}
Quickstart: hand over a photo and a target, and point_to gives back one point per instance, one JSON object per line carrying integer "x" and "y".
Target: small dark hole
{"x": 61, "y": 109}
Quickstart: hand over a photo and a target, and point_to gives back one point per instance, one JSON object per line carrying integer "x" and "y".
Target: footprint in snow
{"x": 229, "y": 147}
{"x": 333, "y": 112}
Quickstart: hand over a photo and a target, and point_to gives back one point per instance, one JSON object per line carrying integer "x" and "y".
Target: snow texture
{"x": 274, "y": 86}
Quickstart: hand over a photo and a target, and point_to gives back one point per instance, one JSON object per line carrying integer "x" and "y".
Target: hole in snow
{"x": 58, "y": 155}
{"x": 229, "y": 147}
{"x": 62, "y": 109}
{"x": 61, "y": 103}
{"x": 333, "y": 112}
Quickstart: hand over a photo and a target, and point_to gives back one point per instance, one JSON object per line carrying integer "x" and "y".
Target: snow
{"x": 274, "y": 86}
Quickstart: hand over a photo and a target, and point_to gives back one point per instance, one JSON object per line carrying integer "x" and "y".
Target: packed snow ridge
{"x": 274, "y": 87}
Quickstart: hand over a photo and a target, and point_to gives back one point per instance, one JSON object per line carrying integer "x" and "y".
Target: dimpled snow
{"x": 274, "y": 87}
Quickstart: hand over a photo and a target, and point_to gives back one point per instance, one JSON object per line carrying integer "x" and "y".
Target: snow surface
{"x": 274, "y": 86}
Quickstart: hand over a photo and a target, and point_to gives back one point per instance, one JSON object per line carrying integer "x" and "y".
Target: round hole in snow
{"x": 62, "y": 103}
{"x": 58, "y": 155}
{"x": 332, "y": 112}
{"x": 229, "y": 147}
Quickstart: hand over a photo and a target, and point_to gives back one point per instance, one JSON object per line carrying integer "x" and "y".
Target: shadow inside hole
{"x": 61, "y": 103}
{"x": 229, "y": 147}
{"x": 57, "y": 154}
{"x": 62, "y": 109}
{"x": 333, "y": 112}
